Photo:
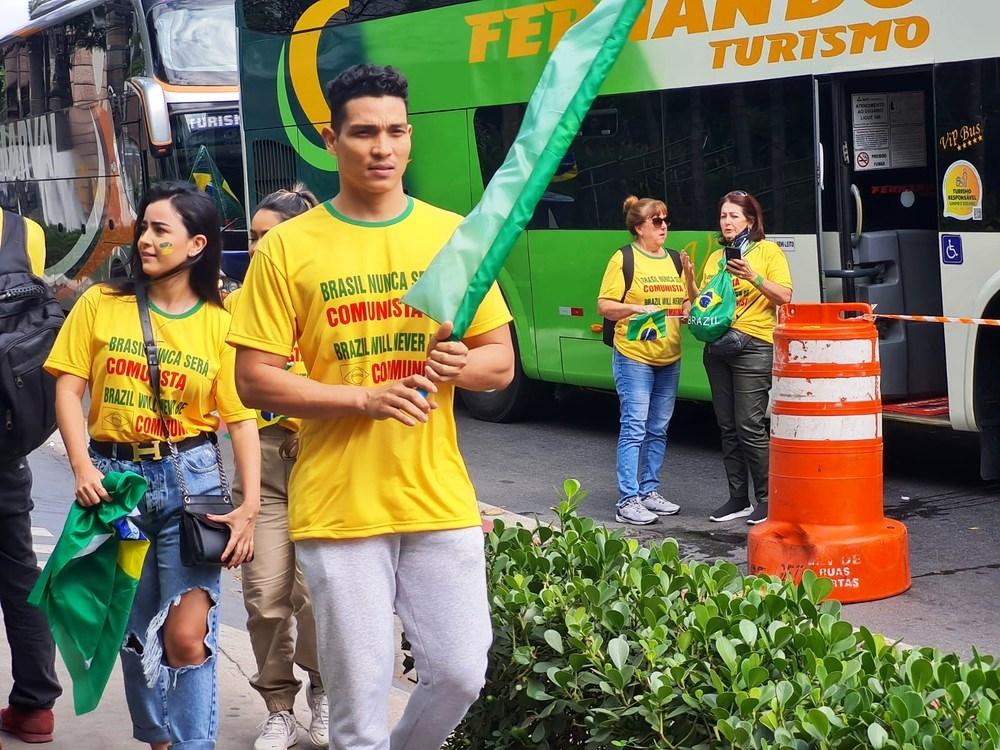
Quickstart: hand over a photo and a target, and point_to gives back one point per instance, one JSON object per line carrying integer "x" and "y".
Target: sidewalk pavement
{"x": 241, "y": 710}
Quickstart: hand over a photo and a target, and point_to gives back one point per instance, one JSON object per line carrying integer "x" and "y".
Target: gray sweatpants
{"x": 436, "y": 582}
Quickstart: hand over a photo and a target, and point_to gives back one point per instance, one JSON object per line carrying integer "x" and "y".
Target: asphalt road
{"x": 931, "y": 484}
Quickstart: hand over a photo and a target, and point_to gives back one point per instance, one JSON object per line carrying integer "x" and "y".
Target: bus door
{"x": 878, "y": 195}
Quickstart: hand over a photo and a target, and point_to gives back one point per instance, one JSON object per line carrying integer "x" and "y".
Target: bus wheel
{"x": 513, "y": 403}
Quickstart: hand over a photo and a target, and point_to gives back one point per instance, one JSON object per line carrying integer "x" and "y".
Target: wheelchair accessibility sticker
{"x": 951, "y": 250}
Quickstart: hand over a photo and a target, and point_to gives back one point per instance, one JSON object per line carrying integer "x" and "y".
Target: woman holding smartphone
{"x": 739, "y": 372}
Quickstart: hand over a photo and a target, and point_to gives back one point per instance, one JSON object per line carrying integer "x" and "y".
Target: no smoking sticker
{"x": 863, "y": 159}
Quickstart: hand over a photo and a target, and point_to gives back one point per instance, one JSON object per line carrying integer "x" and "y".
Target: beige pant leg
{"x": 274, "y": 593}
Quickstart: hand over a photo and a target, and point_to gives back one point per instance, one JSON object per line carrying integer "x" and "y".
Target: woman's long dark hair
{"x": 200, "y": 216}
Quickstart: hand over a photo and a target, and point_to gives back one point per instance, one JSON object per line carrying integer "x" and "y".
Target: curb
{"x": 490, "y": 513}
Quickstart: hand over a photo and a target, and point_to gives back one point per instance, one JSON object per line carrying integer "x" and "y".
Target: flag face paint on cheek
{"x": 166, "y": 248}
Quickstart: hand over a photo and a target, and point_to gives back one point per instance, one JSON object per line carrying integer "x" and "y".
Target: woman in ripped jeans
{"x": 168, "y": 658}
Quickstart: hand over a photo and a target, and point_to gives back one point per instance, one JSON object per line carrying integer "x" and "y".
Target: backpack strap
{"x": 628, "y": 268}
{"x": 676, "y": 258}
{"x": 14, "y": 245}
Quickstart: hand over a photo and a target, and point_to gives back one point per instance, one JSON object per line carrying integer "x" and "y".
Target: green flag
{"x": 461, "y": 274}
{"x": 88, "y": 584}
{"x": 206, "y": 175}
{"x": 647, "y": 326}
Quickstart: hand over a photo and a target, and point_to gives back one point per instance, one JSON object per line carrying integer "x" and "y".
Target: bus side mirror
{"x": 155, "y": 114}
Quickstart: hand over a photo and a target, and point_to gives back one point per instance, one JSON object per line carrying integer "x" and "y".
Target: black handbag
{"x": 202, "y": 541}
{"x": 729, "y": 344}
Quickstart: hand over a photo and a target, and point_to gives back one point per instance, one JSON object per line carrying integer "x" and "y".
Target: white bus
{"x": 101, "y": 98}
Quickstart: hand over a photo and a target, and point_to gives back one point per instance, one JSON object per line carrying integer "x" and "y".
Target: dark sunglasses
{"x": 659, "y": 221}
{"x": 740, "y": 193}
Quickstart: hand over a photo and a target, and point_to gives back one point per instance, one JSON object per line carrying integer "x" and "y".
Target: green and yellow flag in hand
{"x": 647, "y": 326}
{"x": 461, "y": 274}
{"x": 87, "y": 586}
{"x": 206, "y": 175}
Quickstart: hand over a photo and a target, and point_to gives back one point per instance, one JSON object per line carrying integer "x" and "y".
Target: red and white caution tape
{"x": 939, "y": 319}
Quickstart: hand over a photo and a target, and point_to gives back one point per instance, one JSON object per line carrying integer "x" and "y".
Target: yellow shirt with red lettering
{"x": 655, "y": 282}
{"x": 335, "y": 285}
{"x": 101, "y": 341}
{"x": 756, "y": 315}
{"x": 294, "y": 364}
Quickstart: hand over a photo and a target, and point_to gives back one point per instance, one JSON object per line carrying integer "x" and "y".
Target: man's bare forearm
{"x": 490, "y": 366}
{"x": 262, "y": 386}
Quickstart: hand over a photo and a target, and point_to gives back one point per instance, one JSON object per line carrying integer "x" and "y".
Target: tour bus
{"x": 865, "y": 128}
{"x": 101, "y": 98}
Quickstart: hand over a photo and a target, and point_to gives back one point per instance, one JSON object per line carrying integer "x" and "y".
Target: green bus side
{"x": 553, "y": 275}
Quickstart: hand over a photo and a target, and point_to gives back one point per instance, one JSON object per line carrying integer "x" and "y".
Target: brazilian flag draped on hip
{"x": 88, "y": 585}
{"x": 713, "y": 310}
{"x": 462, "y": 272}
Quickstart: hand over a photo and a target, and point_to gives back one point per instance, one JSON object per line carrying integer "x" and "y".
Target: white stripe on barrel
{"x": 826, "y": 390}
{"x": 851, "y": 352}
{"x": 852, "y": 427}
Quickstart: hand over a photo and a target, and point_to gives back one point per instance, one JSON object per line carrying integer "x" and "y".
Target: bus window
{"x": 618, "y": 151}
{"x": 188, "y": 47}
{"x": 58, "y": 68}
{"x": 118, "y": 38}
{"x": 755, "y": 137}
{"x": 35, "y": 86}
{"x": 11, "y": 77}
{"x": 218, "y": 130}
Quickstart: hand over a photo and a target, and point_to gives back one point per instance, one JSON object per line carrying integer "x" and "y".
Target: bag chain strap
{"x": 153, "y": 361}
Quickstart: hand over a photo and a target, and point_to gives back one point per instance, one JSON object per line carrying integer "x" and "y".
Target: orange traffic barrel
{"x": 825, "y": 490}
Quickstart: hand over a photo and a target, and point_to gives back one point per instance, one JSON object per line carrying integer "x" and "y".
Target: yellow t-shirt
{"x": 268, "y": 418}
{"x": 35, "y": 239}
{"x": 756, "y": 314}
{"x": 656, "y": 282}
{"x": 335, "y": 285}
{"x": 102, "y": 342}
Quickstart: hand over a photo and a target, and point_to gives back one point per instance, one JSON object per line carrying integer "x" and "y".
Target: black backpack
{"x": 30, "y": 318}
{"x": 628, "y": 271}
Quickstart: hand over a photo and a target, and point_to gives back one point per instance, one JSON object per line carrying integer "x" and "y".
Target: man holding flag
{"x": 381, "y": 507}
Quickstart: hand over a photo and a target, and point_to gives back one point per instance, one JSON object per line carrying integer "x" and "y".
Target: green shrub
{"x": 601, "y": 642}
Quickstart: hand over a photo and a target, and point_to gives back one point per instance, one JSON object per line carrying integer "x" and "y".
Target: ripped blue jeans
{"x": 180, "y": 706}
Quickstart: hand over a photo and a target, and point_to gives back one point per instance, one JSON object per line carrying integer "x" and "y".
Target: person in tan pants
{"x": 279, "y": 613}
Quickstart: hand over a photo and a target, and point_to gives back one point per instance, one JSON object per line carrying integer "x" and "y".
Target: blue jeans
{"x": 647, "y": 396}
{"x": 180, "y": 706}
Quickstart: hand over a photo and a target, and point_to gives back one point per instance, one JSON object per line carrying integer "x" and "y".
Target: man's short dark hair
{"x": 363, "y": 80}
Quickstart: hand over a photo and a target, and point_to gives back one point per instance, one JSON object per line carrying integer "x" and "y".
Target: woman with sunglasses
{"x": 646, "y": 359}
{"x": 739, "y": 364}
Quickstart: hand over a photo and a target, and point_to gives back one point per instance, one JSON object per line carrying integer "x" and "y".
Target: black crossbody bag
{"x": 202, "y": 541}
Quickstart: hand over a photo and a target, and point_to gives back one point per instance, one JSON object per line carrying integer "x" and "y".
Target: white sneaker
{"x": 659, "y": 505}
{"x": 278, "y": 732}
{"x": 319, "y": 727}
{"x": 632, "y": 511}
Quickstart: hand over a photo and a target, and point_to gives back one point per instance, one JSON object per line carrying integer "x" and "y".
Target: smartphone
{"x": 733, "y": 253}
